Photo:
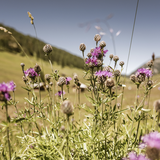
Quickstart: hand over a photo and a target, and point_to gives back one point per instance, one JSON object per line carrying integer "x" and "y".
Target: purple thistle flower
{"x": 59, "y": 93}
{"x": 93, "y": 60}
{"x": 133, "y": 156}
{"x": 67, "y": 80}
{"x": 5, "y": 88}
{"x": 31, "y": 73}
{"x": 147, "y": 72}
{"x": 103, "y": 73}
{"x": 97, "y": 52}
{"x": 152, "y": 140}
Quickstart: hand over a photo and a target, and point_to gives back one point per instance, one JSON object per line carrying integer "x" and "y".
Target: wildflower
{"x": 97, "y": 37}
{"x": 67, "y": 107}
{"x": 98, "y": 52}
{"x": 61, "y": 81}
{"x": 37, "y": 68}
{"x": 152, "y": 140}
{"x": 93, "y": 60}
{"x": 121, "y": 63}
{"x": 102, "y": 44}
{"x": 89, "y": 54}
{"x": 115, "y": 58}
{"x": 133, "y": 78}
{"x": 133, "y": 156}
{"x": 82, "y": 47}
{"x": 103, "y": 73}
{"x": 31, "y": 73}
{"x": 47, "y": 49}
{"x": 111, "y": 56}
{"x": 145, "y": 72}
{"x": 59, "y": 93}
{"x": 67, "y": 80}
{"x": 117, "y": 73}
{"x": 5, "y": 88}
{"x": 109, "y": 83}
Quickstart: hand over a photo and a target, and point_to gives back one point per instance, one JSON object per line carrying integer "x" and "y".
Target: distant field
{"x": 10, "y": 69}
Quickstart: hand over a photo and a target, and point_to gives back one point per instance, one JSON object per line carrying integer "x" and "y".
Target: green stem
{"x": 7, "y": 119}
{"x": 67, "y": 138}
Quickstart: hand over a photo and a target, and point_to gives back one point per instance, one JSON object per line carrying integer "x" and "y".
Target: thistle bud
{"x": 61, "y": 81}
{"x": 115, "y": 58}
{"x": 102, "y": 44}
{"x": 97, "y": 37}
{"x": 37, "y": 68}
{"x": 47, "y": 77}
{"x": 47, "y": 48}
{"x": 157, "y": 105}
{"x": 89, "y": 55}
{"x": 133, "y": 78}
{"x": 109, "y": 82}
{"x": 121, "y": 63}
{"x": 67, "y": 108}
{"x": 117, "y": 73}
{"x": 111, "y": 56}
{"x": 82, "y": 47}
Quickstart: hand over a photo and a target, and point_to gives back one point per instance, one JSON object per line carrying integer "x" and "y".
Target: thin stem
{"x": 67, "y": 138}
{"x": 7, "y": 119}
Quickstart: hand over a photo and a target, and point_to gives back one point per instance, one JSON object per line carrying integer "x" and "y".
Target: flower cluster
{"x": 5, "y": 88}
{"x": 31, "y": 73}
{"x": 96, "y": 57}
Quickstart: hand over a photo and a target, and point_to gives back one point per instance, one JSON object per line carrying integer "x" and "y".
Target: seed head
{"x": 157, "y": 105}
{"x": 115, "y": 58}
{"x": 82, "y": 47}
{"x": 117, "y": 73}
{"x": 102, "y": 44}
{"x": 97, "y": 37}
{"x": 109, "y": 82}
{"x": 89, "y": 54}
{"x": 121, "y": 63}
{"x": 67, "y": 108}
{"x": 47, "y": 49}
{"x": 61, "y": 81}
{"x": 37, "y": 68}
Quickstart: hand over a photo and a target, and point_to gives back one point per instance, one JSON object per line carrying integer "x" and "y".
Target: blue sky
{"x": 58, "y": 23}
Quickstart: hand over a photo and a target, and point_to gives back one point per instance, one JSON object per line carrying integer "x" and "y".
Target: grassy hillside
{"x": 34, "y": 47}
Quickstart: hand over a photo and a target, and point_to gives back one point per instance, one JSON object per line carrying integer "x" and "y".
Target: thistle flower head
{"x": 37, "y": 68}
{"x": 47, "y": 77}
{"x": 103, "y": 73}
{"x": 82, "y": 47}
{"x": 102, "y": 44}
{"x": 61, "y": 81}
{"x": 89, "y": 55}
{"x": 5, "y": 88}
{"x": 117, "y": 73}
{"x": 67, "y": 80}
{"x": 111, "y": 56}
{"x": 115, "y": 58}
{"x": 152, "y": 140}
{"x": 67, "y": 107}
{"x": 121, "y": 63}
{"x": 144, "y": 71}
{"x": 97, "y": 37}
{"x": 133, "y": 78}
{"x": 47, "y": 49}
{"x": 30, "y": 73}
{"x": 109, "y": 83}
